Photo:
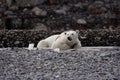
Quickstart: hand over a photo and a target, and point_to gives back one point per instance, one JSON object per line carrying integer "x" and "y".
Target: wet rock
{"x": 39, "y": 12}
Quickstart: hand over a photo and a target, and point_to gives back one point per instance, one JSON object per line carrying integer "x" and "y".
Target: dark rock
{"x": 36, "y": 2}
{"x": 79, "y": 5}
{"x": 99, "y": 3}
{"x": 63, "y": 10}
{"x": 96, "y": 9}
{"x": 8, "y": 13}
{"x": 13, "y": 8}
{"x": 60, "y": 14}
{"x": 105, "y": 13}
{"x": 24, "y": 3}
{"x": 107, "y": 37}
{"x": 52, "y": 2}
{"x": 9, "y": 2}
{"x": 1, "y": 24}
{"x": 17, "y": 23}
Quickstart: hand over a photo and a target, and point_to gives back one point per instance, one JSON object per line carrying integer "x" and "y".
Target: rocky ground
{"x": 87, "y": 63}
{"x": 28, "y": 21}
{"x": 59, "y": 14}
{"x": 21, "y": 38}
{"x": 43, "y": 18}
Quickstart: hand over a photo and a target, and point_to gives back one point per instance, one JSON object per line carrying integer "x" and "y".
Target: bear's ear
{"x": 77, "y": 31}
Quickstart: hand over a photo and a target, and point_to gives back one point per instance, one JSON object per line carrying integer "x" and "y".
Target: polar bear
{"x": 67, "y": 40}
{"x": 47, "y": 43}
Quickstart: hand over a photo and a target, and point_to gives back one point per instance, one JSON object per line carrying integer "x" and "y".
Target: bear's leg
{"x": 42, "y": 44}
{"x": 57, "y": 50}
{"x": 78, "y": 45}
{"x": 31, "y": 46}
{"x": 61, "y": 46}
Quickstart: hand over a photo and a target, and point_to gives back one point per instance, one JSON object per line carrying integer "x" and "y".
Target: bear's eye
{"x": 72, "y": 34}
{"x": 65, "y": 33}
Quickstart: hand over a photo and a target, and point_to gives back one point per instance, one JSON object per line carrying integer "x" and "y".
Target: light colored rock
{"x": 31, "y": 46}
{"x": 40, "y": 27}
{"x": 39, "y": 12}
{"x": 81, "y": 21}
{"x": 79, "y": 5}
{"x": 9, "y": 2}
{"x": 14, "y": 7}
{"x": 62, "y": 10}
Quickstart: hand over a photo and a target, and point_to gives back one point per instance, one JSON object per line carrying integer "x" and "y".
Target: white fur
{"x": 31, "y": 47}
{"x": 63, "y": 43}
{"x": 59, "y": 42}
{"x": 47, "y": 43}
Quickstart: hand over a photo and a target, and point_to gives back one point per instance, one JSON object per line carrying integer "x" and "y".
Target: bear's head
{"x": 71, "y": 35}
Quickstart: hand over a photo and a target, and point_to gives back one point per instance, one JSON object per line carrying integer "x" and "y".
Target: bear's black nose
{"x": 69, "y": 39}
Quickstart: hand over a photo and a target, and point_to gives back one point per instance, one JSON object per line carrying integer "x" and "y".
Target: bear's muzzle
{"x": 69, "y": 38}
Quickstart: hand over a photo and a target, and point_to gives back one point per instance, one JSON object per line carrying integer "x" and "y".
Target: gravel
{"x": 21, "y": 38}
{"x": 87, "y": 63}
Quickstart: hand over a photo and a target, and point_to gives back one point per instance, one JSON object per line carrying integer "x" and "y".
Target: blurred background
{"x": 28, "y": 21}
